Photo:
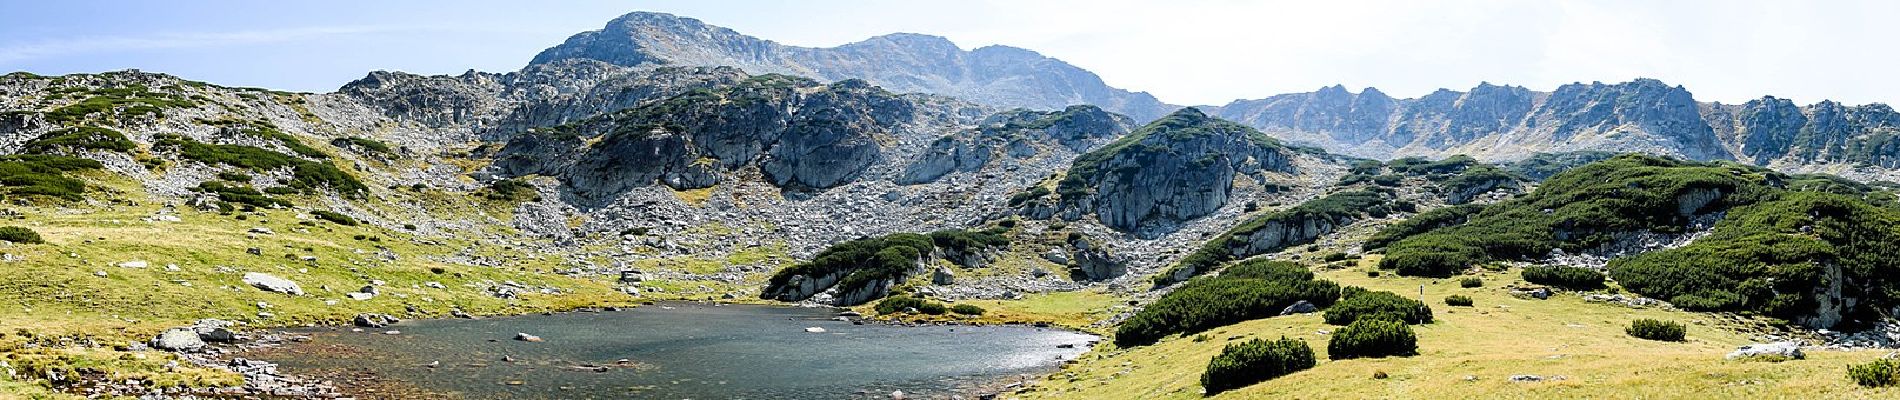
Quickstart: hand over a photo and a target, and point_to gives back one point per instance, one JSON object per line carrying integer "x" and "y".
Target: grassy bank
{"x": 1500, "y": 336}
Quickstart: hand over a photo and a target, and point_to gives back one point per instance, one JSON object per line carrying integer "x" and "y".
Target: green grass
{"x": 1505, "y": 336}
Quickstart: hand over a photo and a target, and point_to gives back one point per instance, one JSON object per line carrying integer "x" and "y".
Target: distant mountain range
{"x": 1644, "y": 115}
{"x": 1491, "y": 122}
{"x": 1001, "y": 76}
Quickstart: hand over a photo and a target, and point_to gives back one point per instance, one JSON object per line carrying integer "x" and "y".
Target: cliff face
{"x": 800, "y": 134}
{"x": 1022, "y": 135}
{"x": 1175, "y": 169}
{"x": 1644, "y": 115}
{"x": 999, "y": 76}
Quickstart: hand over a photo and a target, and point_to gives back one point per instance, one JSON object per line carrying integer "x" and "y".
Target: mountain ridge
{"x": 1505, "y": 123}
{"x": 1001, "y": 76}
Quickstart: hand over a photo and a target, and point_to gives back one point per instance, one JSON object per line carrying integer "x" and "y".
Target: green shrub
{"x": 1372, "y": 338}
{"x": 898, "y": 304}
{"x": 1268, "y": 270}
{"x": 1580, "y": 209}
{"x": 1377, "y": 304}
{"x": 1337, "y": 209}
{"x": 1879, "y": 373}
{"x": 1470, "y": 282}
{"x": 1565, "y": 277}
{"x": 83, "y": 137}
{"x": 1421, "y": 223}
{"x": 20, "y": 234}
{"x": 305, "y": 175}
{"x": 1767, "y": 258}
{"x": 511, "y": 189}
{"x": 366, "y": 144}
{"x": 333, "y": 216}
{"x": 1668, "y": 331}
{"x": 1207, "y": 303}
{"x": 1255, "y": 361}
{"x": 869, "y": 261}
{"x": 967, "y": 309}
{"x": 40, "y": 175}
{"x": 237, "y": 177}
{"x": 1458, "y": 300}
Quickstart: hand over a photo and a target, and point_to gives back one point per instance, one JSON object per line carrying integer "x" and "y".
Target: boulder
{"x": 528, "y": 338}
{"x": 178, "y": 339}
{"x": 272, "y": 283}
{"x": 1299, "y": 307}
{"x": 943, "y": 276}
{"x": 1776, "y": 350}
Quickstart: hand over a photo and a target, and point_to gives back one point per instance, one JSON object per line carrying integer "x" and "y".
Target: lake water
{"x": 691, "y": 351}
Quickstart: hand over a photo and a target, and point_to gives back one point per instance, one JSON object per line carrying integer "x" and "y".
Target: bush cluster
{"x": 1576, "y": 278}
{"x": 1458, "y": 300}
{"x": 1767, "y": 258}
{"x": 1668, "y": 331}
{"x": 306, "y": 176}
{"x": 20, "y": 234}
{"x": 1255, "y": 361}
{"x": 40, "y": 175}
{"x": 1470, "y": 282}
{"x": 1372, "y": 338}
{"x": 1251, "y": 290}
{"x": 335, "y": 217}
{"x": 83, "y": 137}
{"x": 511, "y": 189}
{"x": 1879, "y": 373}
{"x": 1378, "y": 305}
{"x": 891, "y": 257}
{"x": 1337, "y": 209}
{"x": 967, "y": 309}
{"x": 1579, "y": 209}
{"x": 898, "y": 304}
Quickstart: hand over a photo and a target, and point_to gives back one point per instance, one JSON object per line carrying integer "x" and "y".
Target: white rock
{"x": 272, "y": 283}
{"x": 1791, "y": 350}
{"x": 814, "y": 330}
{"x": 134, "y": 264}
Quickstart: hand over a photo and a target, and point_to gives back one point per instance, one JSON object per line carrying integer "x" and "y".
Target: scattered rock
{"x": 134, "y": 264}
{"x": 373, "y": 320}
{"x": 1778, "y": 350}
{"x": 1299, "y": 307}
{"x": 178, "y": 339}
{"x": 272, "y": 283}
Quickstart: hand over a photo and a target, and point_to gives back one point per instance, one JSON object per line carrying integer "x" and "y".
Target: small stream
{"x": 688, "y": 351}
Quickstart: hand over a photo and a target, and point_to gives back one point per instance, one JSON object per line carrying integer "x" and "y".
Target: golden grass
{"x": 1501, "y": 336}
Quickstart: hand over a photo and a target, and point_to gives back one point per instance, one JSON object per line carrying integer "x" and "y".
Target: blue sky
{"x": 1186, "y": 52}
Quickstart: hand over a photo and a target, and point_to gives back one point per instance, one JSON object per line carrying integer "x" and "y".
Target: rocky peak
{"x": 905, "y": 62}
{"x": 1174, "y": 169}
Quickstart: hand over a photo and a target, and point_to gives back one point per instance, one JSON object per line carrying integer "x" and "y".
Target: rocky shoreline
{"x": 211, "y": 344}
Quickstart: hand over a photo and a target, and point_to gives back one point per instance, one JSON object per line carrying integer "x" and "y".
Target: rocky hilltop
{"x": 1000, "y": 76}
{"x": 1645, "y": 115}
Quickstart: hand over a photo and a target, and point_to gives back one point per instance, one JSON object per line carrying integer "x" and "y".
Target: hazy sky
{"x": 1185, "y": 52}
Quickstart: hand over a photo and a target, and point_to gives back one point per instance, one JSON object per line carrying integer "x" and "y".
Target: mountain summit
{"x": 999, "y": 76}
